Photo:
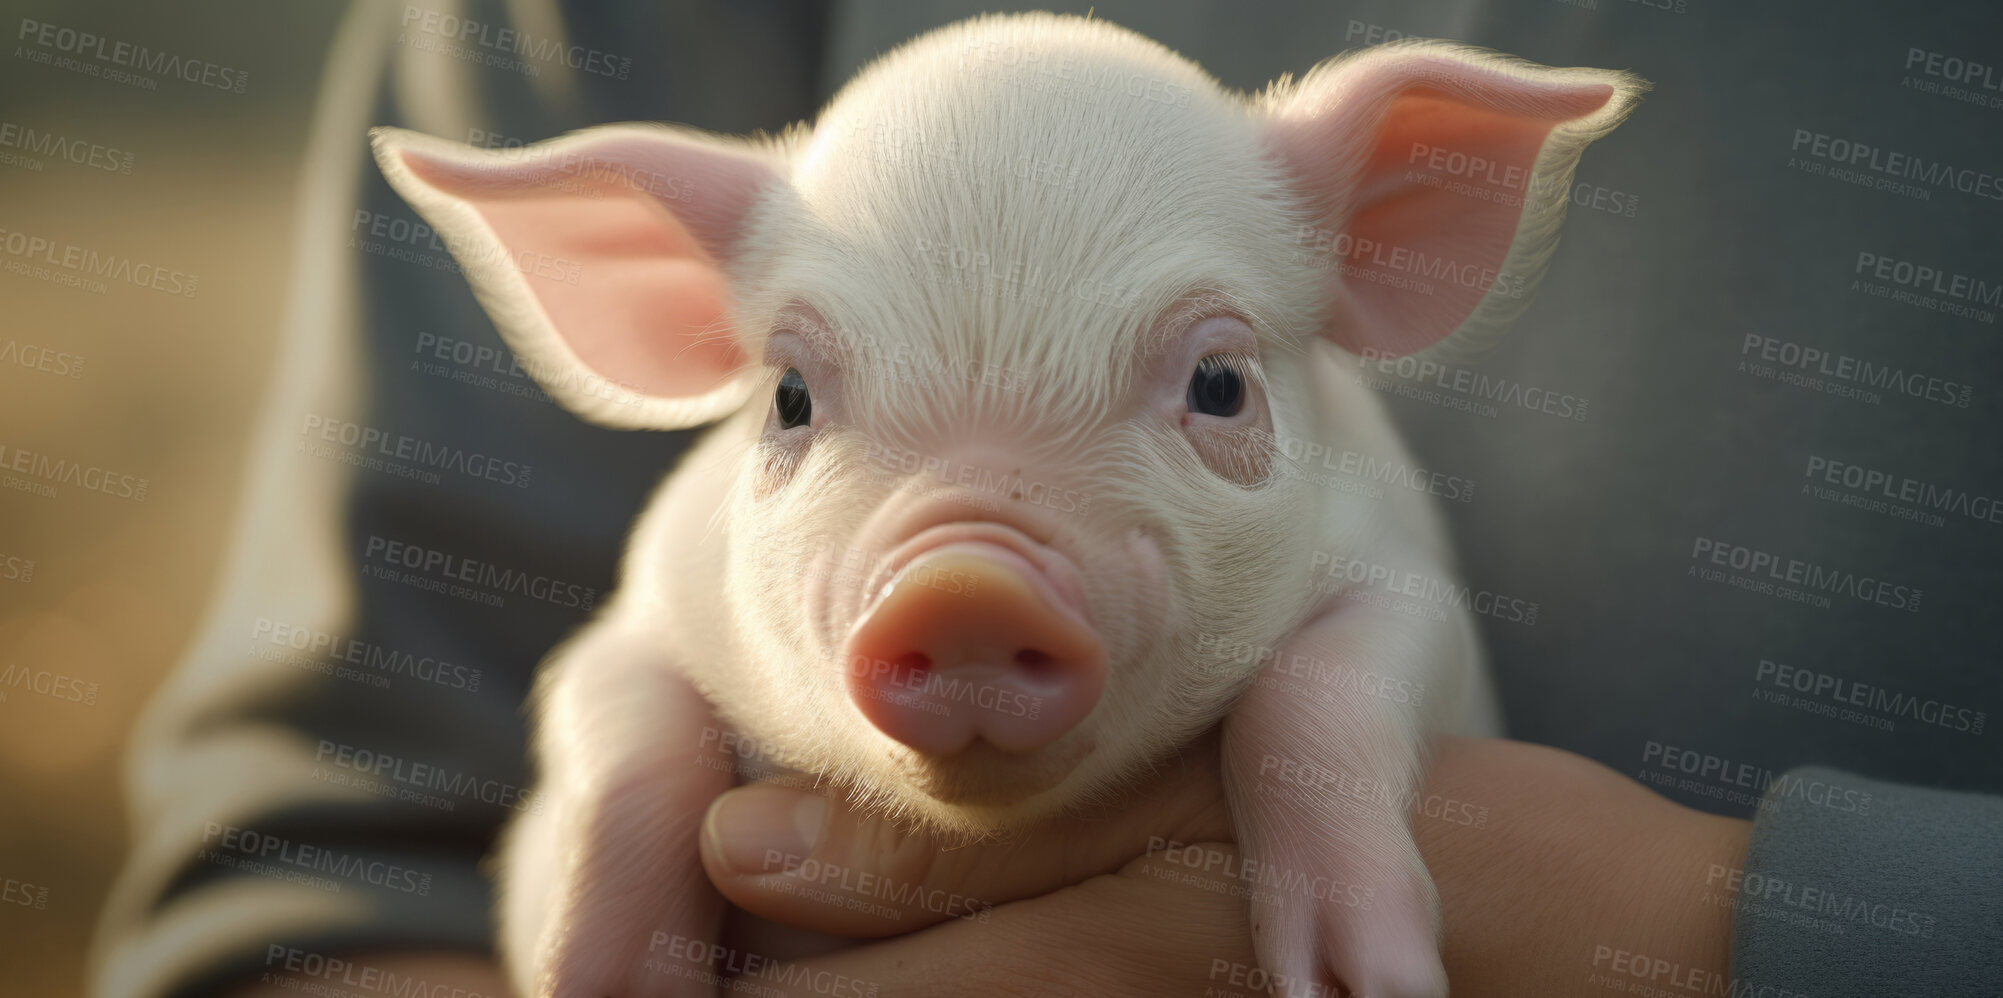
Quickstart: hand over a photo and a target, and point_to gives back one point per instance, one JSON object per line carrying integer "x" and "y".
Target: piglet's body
{"x": 1026, "y": 357}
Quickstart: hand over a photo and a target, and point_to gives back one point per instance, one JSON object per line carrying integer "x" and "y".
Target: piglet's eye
{"x": 794, "y": 406}
{"x": 1216, "y": 388}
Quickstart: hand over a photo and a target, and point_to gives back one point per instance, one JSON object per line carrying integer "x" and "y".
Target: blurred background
{"x": 137, "y": 382}
{"x": 1710, "y": 240}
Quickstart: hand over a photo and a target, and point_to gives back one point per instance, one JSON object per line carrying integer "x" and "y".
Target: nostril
{"x": 910, "y": 670}
{"x": 1010, "y": 662}
{"x": 1036, "y": 662}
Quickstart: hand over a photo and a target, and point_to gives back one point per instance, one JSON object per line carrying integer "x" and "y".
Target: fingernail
{"x": 763, "y": 829}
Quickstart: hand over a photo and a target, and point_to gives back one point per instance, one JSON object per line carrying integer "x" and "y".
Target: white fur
{"x": 950, "y": 144}
{"x": 1184, "y": 200}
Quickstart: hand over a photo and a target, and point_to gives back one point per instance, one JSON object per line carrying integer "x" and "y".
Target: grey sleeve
{"x": 325, "y": 771}
{"x": 1854, "y": 886}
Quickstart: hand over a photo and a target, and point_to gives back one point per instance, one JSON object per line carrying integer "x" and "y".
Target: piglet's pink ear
{"x": 1436, "y": 177}
{"x": 600, "y": 257}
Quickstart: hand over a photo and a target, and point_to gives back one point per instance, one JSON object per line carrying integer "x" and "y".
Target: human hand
{"x": 1553, "y": 871}
{"x": 1549, "y": 866}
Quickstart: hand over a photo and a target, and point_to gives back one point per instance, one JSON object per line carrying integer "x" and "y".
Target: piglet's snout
{"x": 973, "y": 639}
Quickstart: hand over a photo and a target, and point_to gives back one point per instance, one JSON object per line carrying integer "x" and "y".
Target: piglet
{"x": 1028, "y": 358}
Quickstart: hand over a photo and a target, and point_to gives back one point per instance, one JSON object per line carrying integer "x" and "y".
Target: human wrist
{"x": 1573, "y": 874}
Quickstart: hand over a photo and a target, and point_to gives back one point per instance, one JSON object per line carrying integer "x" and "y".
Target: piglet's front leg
{"x": 602, "y": 889}
{"x": 1320, "y": 760}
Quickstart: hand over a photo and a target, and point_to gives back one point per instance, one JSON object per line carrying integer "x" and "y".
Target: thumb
{"x": 817, "y": 862}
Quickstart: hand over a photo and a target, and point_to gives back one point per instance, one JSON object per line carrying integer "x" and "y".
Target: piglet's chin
{"x": 985, "y": 788}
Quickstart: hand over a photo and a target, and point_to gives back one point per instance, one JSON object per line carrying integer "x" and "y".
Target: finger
{"x": 816, "y": 863}
{"x": 1152, "y": 927}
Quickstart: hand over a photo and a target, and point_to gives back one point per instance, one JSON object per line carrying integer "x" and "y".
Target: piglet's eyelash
{"x": 1243, "y": 364}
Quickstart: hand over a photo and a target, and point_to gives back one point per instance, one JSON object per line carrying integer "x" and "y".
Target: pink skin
{"x": 970, "y": 581}
{"x": 603, "y": 874}
{"x": 630, "y": 272}
{"x": 970, "y": 588}
{"x": 1320, "y": 805}
{"x": 981, "y": 633}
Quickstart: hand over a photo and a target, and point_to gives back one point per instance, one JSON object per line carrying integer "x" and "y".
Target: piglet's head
{"x": 1017, "y": 333}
